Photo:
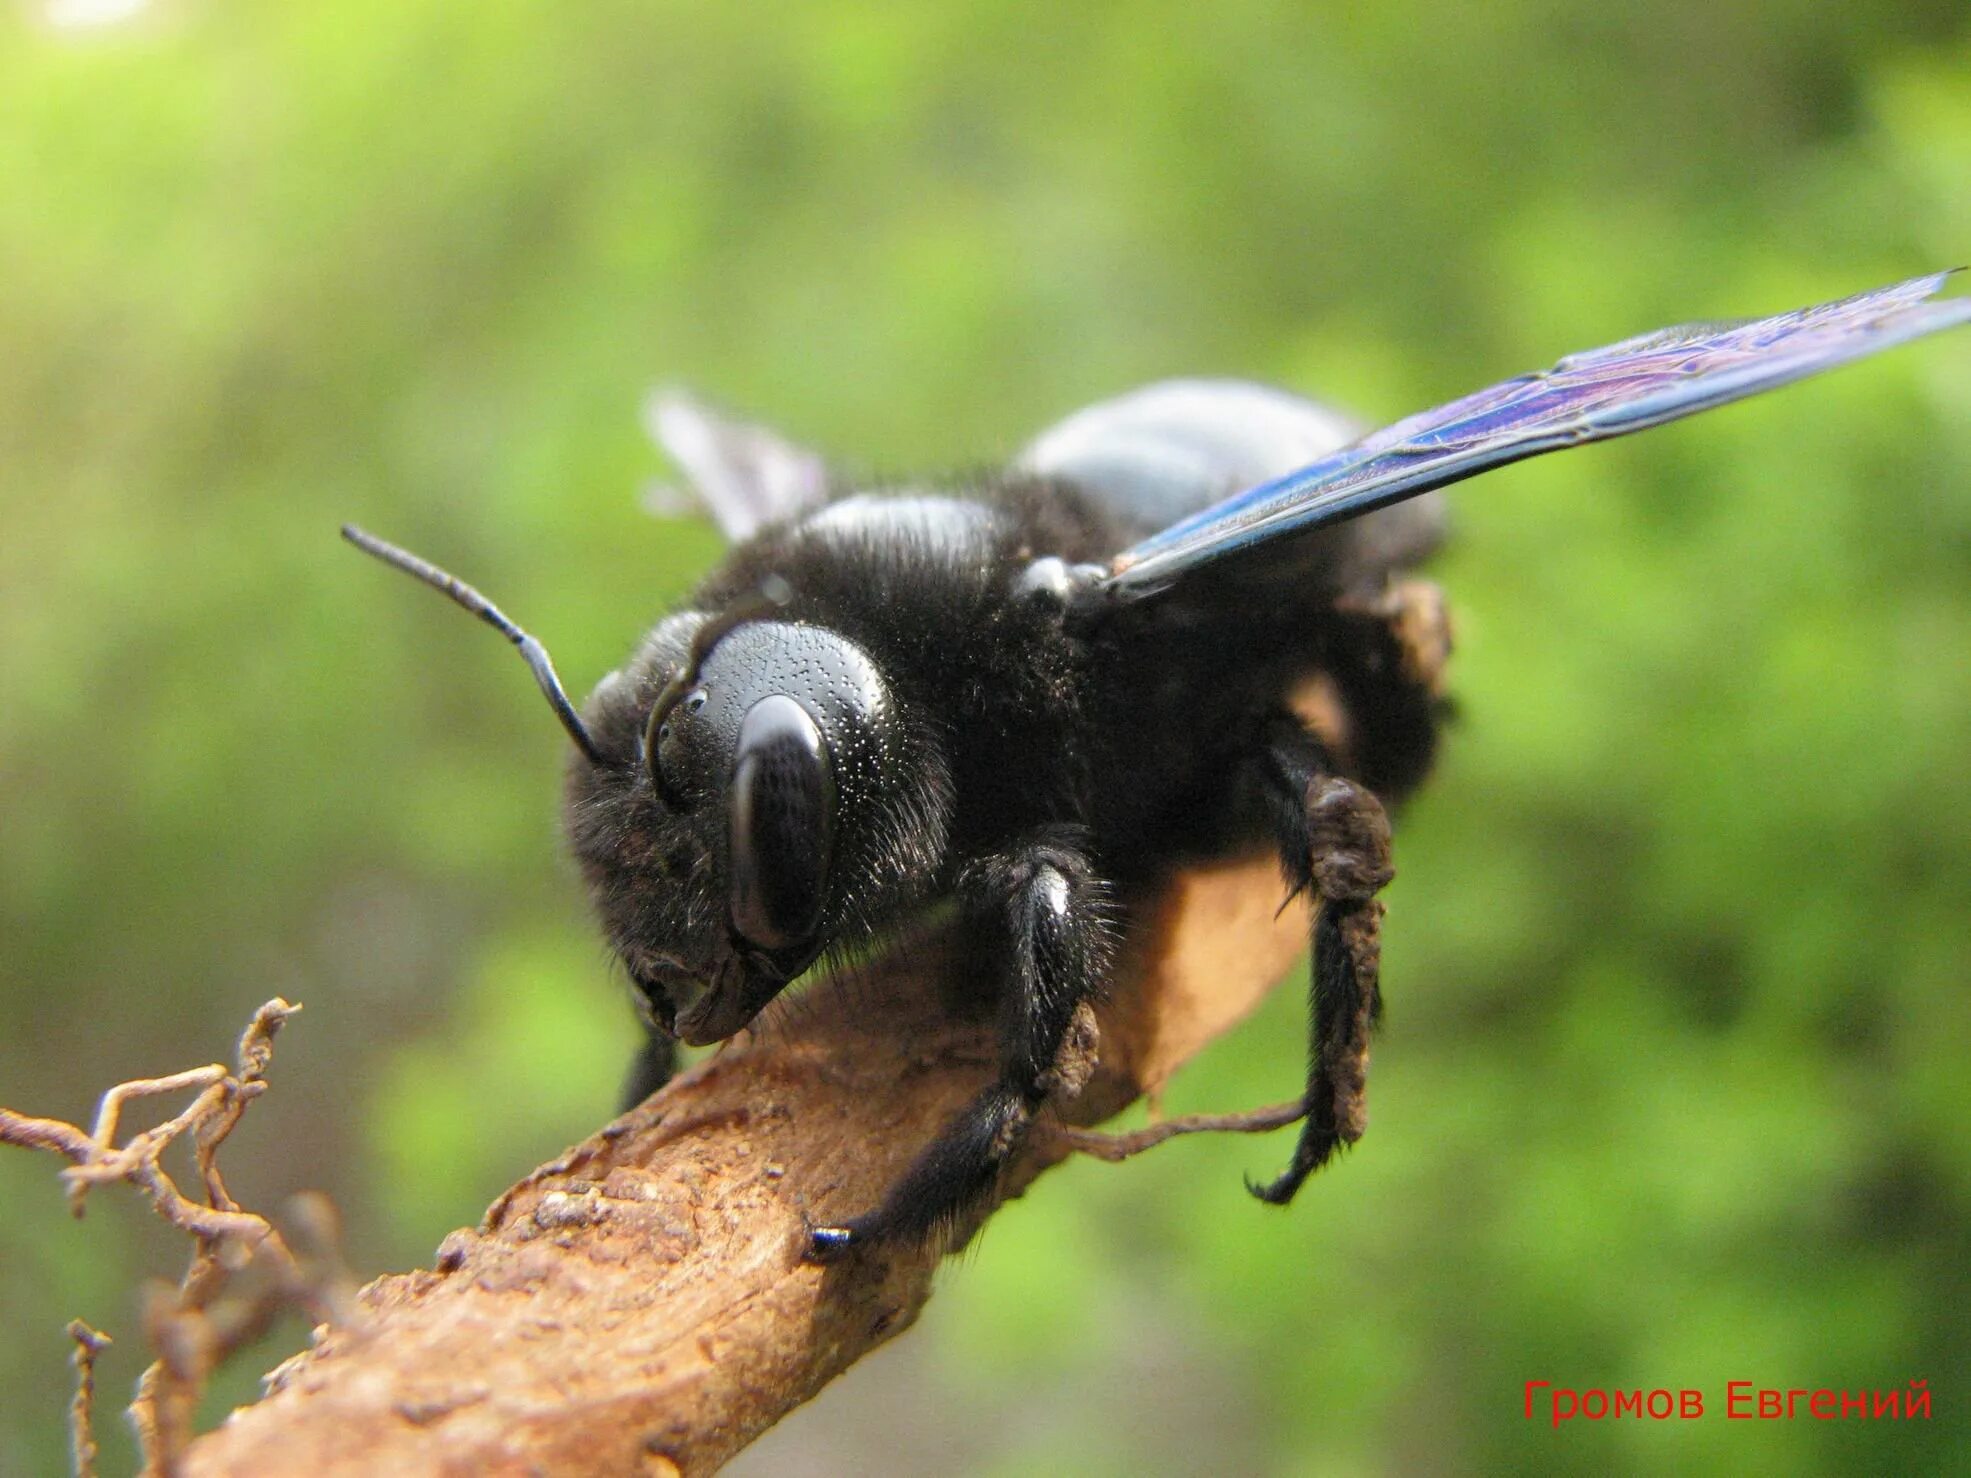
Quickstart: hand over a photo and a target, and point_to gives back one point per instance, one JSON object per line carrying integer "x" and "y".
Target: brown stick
{"x": 640, "y": 1303}
{"x": 89, "y": 1343}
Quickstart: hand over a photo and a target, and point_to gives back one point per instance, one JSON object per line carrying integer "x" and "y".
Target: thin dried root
{"x": 89, "y": 1343}
{"x": 197, "y": 1324}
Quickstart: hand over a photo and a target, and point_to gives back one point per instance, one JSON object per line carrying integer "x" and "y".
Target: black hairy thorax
{"x": 1129, "y": 730}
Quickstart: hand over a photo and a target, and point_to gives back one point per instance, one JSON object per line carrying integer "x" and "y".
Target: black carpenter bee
{"x": 1032, "y": 692}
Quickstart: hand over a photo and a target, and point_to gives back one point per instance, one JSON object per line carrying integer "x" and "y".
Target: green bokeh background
{"x": 1674, "y": 1089}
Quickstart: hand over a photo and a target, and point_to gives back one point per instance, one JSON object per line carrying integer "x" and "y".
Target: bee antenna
{"x": 462, "y": 594}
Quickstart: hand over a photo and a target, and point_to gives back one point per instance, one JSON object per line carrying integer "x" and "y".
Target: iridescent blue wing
{"x": 1638, "y": 383}
{"x": 1163, "y": 451}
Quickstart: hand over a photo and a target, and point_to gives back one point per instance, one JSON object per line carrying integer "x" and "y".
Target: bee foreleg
{"x": 656, "y": 1060}
{"x": 1044, "y": 907}
{"x": 1334, "y": 842}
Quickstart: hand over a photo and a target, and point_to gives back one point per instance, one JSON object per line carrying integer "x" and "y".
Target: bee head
{"x": 759, "y": 795}
{"x": 745, "y": 793}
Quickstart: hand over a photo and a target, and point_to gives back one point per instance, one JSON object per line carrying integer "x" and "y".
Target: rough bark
{"x": 640, "y": 1304}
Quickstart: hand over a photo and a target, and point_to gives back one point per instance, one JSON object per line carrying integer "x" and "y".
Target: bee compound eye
{"x": 781, "y": 815}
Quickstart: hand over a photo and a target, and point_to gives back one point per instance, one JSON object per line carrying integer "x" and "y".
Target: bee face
{"x": 732, "y": 830}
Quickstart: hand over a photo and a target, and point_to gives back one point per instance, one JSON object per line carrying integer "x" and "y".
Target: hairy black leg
{"x": 1041, "y": 909}
{"x": 650, "y": 1070}
{"x": 1387, "y": 659}
{"x": 1334, "y": 841}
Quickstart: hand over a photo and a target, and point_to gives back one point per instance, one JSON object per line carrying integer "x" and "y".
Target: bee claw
{"x": 830, "y": 1244}
{"x": 1275, "y": 1193}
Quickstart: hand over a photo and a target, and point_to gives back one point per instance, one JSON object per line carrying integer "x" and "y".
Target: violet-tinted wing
{"x": 1592, "y": 396}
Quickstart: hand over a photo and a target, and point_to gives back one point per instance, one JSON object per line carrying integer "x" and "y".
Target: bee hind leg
{"x": 1387, "y": 654}
{"x": 1334, "y": 843}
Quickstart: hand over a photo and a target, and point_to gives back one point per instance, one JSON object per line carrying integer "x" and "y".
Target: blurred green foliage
{"x": 1674, "y": 1089}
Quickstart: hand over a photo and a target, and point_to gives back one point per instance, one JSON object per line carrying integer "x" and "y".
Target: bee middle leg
{"x": 1042, "y": 906}
{"x": 1334, "y": 842}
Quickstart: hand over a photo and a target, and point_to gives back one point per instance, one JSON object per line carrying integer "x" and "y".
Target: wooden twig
{"x": 89, "y": 1343}
{"x": 640, "y": 1305}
